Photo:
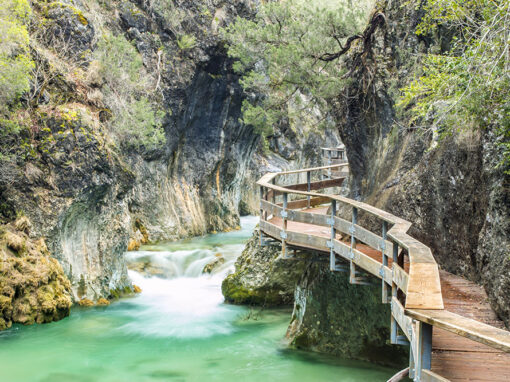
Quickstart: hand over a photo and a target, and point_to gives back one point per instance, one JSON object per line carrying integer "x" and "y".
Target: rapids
{"x": 177, "y": 329}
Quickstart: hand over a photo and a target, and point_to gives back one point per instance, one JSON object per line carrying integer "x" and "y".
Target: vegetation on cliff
{"x": 467, "y": 85}
{"x": 33, "y": 286}
{"x": 287, "y": 54}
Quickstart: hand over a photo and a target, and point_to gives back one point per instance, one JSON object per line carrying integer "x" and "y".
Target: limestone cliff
{"x": 85, "y": 163}
{"x": 452, "y": 190}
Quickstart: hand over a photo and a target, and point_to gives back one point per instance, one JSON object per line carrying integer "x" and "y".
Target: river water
{"x": 177, "y": 329}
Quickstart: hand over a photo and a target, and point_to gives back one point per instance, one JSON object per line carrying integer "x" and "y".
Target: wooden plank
{"x": 316, "y": 185}
{"x": 310, "y": 169}
{"x": 308, "y": 217}
{"x": 405, "y": 323}
{"x": 424, "y": 287}
{"x": 302, "y": 203}
{"x": 270, "y": 229}
{"x": 342, "y": 225}
{"x": 400, "y": 278}
{"x": 368, "y": 264}
{"x": 270, "y": 208}
{"x": 430, "y": 376}
{"x": 308, "y": 241}
{"x": 465, "y": 327}
{"x": 342, "y": 249}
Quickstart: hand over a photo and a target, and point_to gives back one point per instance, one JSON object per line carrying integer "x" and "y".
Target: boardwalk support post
{"x": 330, "y": 161}
{"x": 332, "y": 259}
{"x": 309, "y": 187}
{"x": 283, "y": 234}
{"x": 424, "y": 349}
{"x": 352, "y": 277}
{"x": 261, "y": 215}
{"x": 385, "y": 262}
{"x": 393, "y": 326}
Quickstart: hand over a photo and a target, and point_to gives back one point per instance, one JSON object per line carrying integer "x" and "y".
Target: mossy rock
{"x": 33, "y": 286}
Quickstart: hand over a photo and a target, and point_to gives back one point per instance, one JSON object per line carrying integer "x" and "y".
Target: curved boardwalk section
{"x": 452, "y": 332}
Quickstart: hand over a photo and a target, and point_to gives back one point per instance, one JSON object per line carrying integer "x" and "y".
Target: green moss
{"x": 57, "y": 4}
{"x": 236, "y": 293}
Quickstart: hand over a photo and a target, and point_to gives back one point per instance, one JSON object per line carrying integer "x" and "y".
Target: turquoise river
{"x": 177, "y": 329}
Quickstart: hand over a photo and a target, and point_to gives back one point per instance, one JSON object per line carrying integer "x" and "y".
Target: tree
{"x": 15, "y": 60}
{"x": 290, "y": 57}
{"x": 471, "y": 81}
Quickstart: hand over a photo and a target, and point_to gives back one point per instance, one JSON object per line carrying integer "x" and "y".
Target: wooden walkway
{"x": 453, "y": 333}
{"x": 453, "y": 357}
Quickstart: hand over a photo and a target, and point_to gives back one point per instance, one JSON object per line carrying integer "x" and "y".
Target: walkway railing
{"x": 415, "y": 295}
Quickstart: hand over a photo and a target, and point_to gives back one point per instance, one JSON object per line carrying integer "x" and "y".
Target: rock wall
{"x": 333, "y": 316}
{"x": 85, "y": 191}
{"x": 450, "y": 189}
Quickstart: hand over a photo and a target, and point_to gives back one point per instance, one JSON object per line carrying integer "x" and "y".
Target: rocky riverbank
{"x": 330, "y": 315}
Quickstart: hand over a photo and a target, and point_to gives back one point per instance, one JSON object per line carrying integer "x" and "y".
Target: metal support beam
{"x": 393, "y": 326}
{"x": 424, "y": 349}
{"x": 261, "y": 215}
{"x": 332, "y": 256}
{"x": 309, "y": 187}
{"x": 284, "y": 225}
{"x": 385, "y": 290}
{"x": 330, "y": 162}
{"x": 352, "y": 276}
{"x": 274, "y": 193}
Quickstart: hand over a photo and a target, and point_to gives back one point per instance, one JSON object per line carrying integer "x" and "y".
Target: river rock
{"x": 215, "y": 263}
{"x": 262, "y": 277}
{"x": 335, "y": 317}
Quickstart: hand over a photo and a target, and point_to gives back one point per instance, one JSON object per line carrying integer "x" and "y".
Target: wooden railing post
{"x": 274, "y": 192}
{"x": 283, "y": 234}
{"x": 332, "y": 257}
{"x": 385, "y": 262}
{"x": 309, "y": 186}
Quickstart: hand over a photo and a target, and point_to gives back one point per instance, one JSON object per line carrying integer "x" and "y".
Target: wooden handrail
{"x": 424, "y": 286}
{"x": 423, "y": 307}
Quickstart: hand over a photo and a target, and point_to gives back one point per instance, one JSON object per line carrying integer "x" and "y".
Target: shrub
{"x": 15, "y": 61}
{"x": 136, "y": 120}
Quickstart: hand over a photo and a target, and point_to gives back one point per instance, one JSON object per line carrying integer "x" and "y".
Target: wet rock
{"x": 33, "y": 286}
{"x": 335, "y": 317}
{"x": 215, "y": 263}
{"x": 261, "y": 277}
{"x": 85, "y": 302}
{"x": 103, "y": 302}
{"x": 147, "y": 268}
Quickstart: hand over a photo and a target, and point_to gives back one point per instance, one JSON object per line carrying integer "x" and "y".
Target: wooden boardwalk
{"x": 446, "y": 320}
{"x": 453, "y": 357}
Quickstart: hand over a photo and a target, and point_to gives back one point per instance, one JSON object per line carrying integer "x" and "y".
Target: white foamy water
{"x": 180, "y": 301}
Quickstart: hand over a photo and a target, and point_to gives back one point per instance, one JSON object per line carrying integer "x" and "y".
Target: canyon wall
{"x": 88, "y": 192}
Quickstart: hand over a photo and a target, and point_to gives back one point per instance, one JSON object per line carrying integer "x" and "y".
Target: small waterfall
{"x": 177, "y": 299}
